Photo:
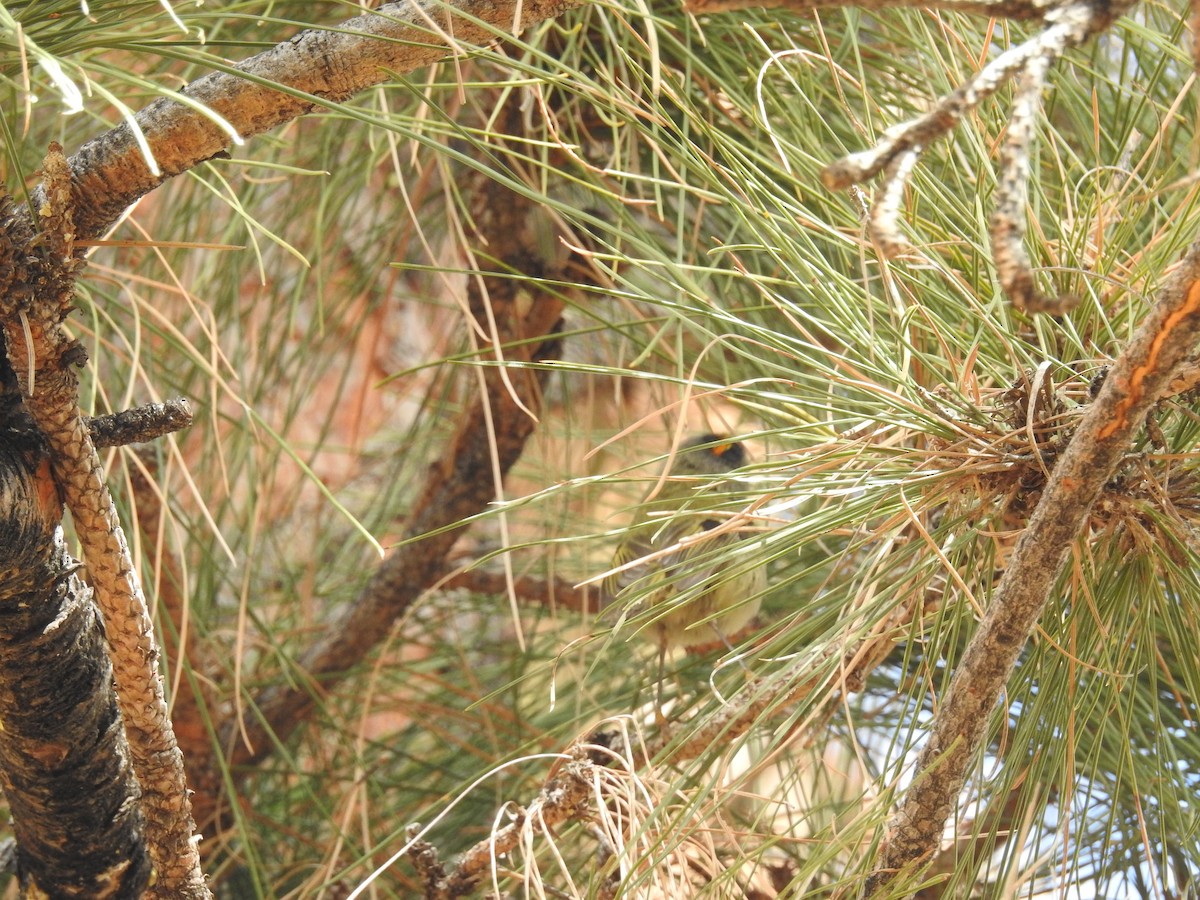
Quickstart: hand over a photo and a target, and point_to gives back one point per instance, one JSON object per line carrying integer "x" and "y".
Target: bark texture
{"x": 43, "y": 360}
{"x": 64, "y": 762}
{"x": 314, "y": 69}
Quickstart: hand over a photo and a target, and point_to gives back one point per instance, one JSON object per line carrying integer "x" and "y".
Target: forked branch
{"x": 1067, "y": 25}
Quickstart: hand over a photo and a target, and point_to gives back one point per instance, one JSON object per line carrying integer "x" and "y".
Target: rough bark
{"x": 64, "y": 762}
{"x": 314, "y": 69}
{"x": 43, "y": 359}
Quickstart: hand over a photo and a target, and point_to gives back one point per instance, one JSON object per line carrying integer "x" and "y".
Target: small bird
{"x": 702, "y": 603}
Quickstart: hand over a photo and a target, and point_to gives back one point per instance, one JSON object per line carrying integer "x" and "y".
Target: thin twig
{"x": 1067, "y": 25}
{"x": 1013, "y": 267}
{"x": 140, "y": 424}
{"x": 920, "y": 132}
{"x": 1026, "y": 10}
{"x": 883, "y": 221}
{"x": 566, "y": 796}
{"x": 552, "y": 593}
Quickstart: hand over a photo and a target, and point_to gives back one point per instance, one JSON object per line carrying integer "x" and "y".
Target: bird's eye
{"x": 709, "y": 524}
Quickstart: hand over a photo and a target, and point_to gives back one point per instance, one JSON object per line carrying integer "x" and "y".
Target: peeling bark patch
{"x": 1190, "y": 306}
{"x": 64, "y": 763}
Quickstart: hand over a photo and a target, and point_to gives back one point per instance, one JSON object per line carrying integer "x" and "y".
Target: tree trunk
{"x": 64, "y": 762}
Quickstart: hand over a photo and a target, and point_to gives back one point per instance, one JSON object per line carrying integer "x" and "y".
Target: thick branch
{"x": 43, "y": 358}
{"x": 316, "y": 67}
{"x": 64, "y": 762}
{"x": 1135, "y": 382}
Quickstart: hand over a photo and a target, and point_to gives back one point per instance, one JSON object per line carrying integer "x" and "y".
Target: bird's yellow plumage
{"x": 663, "y": 563}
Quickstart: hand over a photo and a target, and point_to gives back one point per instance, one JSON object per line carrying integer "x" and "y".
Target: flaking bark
{"x": 64, "y": 762}
{"x": 43, "y": 358}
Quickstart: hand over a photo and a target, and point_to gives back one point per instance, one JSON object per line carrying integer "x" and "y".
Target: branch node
{"x": 140, "y": 424}
{"x": 896, "y": 152}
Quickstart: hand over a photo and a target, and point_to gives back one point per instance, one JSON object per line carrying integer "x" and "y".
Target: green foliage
{"x": 713, "y": 280}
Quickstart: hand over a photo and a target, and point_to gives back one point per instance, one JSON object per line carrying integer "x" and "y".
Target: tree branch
{"x": 552, "y": 593}
{"x": 139, "y": 424}
{"x": 1067, "y": 25}
{"x": 92, "y": 190}
{"x": 61, "y": 739}
{"x": 1166, "y": 337}
{"x": 489, "y": 439}
{"x": 313, "y": 69}
{"x": 195, "y": 695}
{"x": 566, "y": 796}
{"x": 1028, "y": 10}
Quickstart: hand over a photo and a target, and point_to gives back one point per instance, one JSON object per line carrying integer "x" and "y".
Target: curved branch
{"x": 1068, "y": 26}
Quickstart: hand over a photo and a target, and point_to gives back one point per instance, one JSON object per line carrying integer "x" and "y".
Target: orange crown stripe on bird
{"x": 721, "y": 444}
